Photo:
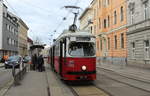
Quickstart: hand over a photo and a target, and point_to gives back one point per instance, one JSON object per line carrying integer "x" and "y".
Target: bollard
{"x": 19, "y": 75}
{"x": 13, "y": 70}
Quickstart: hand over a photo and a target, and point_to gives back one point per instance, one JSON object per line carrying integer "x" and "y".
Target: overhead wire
{"x": 35, "y": 6}
{"x": 12, "y": 8}
{"x": 64, "y": 18}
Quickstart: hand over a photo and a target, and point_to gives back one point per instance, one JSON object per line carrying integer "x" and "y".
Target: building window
{"x": 105, "y": 23}
{"x": 11, "y": 42}
{"x": 12, "y": 29}
{"x": 7, "y": 27}
{"x": 99, "y": 4}
{"x": 147, "y": 51}
{"x": 8, "y": 40}
{"x": 146, "y": 11}
{"x": 101, "y": 45}
{"x": 94, "y": 29}
{"x": 133, "y": 50}
{"x": 91, "y": 29}
{"x": 108, "y": 43}
{"x": 132, "y": 16}
{"x": 97, "y": 45}
{"x": 99, "y": 23}
{"x": 104, "y": 3}
{"x": 115, "y": 17}
{"x": 122, "y": 12}
{"x": 108, "y": 2}
{"x": 108, "y": 21}
{"x": 115, "y": 41}
{"x": 122, "y": 40}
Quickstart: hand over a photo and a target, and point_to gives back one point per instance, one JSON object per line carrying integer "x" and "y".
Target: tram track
{"x": 123, "y": 75}
{"x": 130, "y": 81}
{"x": 88, "y": 90}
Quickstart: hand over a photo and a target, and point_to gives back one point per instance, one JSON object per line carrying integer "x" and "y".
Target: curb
{"x": 2, "y": 66}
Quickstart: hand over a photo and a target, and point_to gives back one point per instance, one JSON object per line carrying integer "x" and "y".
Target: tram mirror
{"x": 54, "y": 40}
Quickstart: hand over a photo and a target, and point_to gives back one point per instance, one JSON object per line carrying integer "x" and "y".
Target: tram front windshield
{"x": 81, "y": 49}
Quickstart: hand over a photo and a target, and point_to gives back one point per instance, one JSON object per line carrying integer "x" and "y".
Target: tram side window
{"x": 81, "y": 49}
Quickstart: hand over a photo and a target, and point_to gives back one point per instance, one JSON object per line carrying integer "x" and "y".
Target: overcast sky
{"x": 44, "y": 16}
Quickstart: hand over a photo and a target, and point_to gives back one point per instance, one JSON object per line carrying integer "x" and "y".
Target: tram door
{"x": 62, "y": 55}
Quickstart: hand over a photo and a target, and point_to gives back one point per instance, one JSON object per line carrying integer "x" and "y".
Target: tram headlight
{"x": 83, "y": 68}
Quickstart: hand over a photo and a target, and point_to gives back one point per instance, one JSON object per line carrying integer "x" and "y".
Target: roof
{"x": 29, "y": 40}
{"x": 85, "y": 11}
{"x": 23, "y": 23}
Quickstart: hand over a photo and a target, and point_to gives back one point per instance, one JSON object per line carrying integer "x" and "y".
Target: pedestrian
{"x": 40, "y": 63}
{"x": 34, "y": 61}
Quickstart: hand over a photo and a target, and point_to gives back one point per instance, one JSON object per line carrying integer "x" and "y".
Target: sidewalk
{"x": 128, "y": 71}
{"x": 34, "y": 84}
{"x": 39, "y": 84}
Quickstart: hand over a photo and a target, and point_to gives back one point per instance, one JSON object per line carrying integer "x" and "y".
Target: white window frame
{"x": 146, "y": 11}
{"x": 147, "y": 50}
{"x": 122, "y": 43}
{"x": 132, "y": 17}
{"x": 133, "y": 50}
{"x": 115, "y": 17}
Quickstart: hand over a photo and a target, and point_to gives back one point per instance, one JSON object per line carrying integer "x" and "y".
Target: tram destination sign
{"x": 83, "y": 38}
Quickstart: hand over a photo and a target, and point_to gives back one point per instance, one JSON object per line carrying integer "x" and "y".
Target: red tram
{"x": 73, "y": 57}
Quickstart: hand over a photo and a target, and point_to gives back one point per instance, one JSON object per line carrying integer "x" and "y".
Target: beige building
{"x": 86, "y": 20}
{"x": 23, "y": 31}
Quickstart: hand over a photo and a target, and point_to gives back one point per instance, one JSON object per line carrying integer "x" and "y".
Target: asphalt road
{"x": 113, "y": 84}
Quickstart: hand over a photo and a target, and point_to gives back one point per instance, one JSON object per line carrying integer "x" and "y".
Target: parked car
{"x": 26, "y": 59}
{"x": 13, "y": 60}
{"x": 0, "y": 59}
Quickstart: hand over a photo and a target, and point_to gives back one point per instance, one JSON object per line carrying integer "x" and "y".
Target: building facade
{"x": 23, "y": 32}
{"x": 138, "y": 34}
{"x": 110, "y": 30}
{"x": 86, "y": 20}
{"x": 8, "y": 32}
{"x": 29, "y": 44}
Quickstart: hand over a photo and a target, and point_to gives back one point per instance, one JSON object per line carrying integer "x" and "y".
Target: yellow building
{"x": 110, "y": 29}
{"x": 23, "y": 32}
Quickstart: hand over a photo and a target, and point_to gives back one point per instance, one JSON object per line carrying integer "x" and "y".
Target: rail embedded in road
{"x": 87, "y": 90}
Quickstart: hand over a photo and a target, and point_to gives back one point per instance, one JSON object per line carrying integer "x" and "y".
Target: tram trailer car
{"x": 73, "y": 57}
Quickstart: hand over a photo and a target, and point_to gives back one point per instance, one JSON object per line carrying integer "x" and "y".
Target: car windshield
{"x": 13, "y": 58}
{"x": 27, "y": 58}
{"x": 81, "y": 49}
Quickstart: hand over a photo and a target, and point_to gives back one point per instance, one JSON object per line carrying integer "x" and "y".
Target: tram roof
{"x": 67, "y": 33}
{"x": 78, "y": 33}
